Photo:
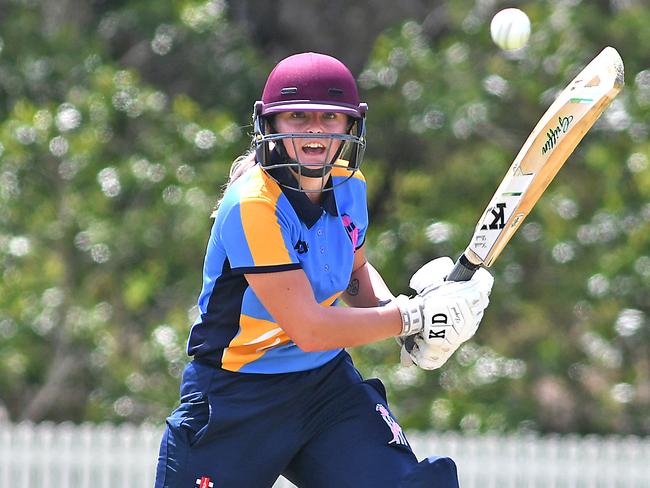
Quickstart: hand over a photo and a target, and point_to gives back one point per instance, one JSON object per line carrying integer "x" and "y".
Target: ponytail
{"x": 239, "y": 166}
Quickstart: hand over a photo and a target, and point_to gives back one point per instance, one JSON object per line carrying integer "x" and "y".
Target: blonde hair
{"x": 239, "y": 166}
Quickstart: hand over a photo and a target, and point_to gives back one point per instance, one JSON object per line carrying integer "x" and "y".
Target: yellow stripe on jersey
{"x": 340, "y": 170}
{"x": 328, "y": 301}
{"x": 263, "y": 234}
{"x": 254, "y": 338}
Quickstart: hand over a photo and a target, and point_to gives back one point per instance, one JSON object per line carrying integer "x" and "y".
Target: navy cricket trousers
{"x": 325, "y": 427}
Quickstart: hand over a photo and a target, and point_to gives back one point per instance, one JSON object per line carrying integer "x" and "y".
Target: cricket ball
{"x": 510, "y": 29}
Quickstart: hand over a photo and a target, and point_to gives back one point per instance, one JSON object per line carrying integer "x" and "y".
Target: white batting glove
{"x": 448, "y": 315}
{"x": 465, "y": 301}
{"x": 431, "y": 275}
{"x": 456, "y": 305}
{"x": 427, "y": 278}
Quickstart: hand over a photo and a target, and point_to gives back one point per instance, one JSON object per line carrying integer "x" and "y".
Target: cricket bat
{"x": 548, "y": 146}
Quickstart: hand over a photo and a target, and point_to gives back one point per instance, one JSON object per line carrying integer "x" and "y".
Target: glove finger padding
{"x": 429, "y": 356}
{"x": 431, "y": 275}
{"x": 481, "y": 282}
{"x": 476, "y": 291}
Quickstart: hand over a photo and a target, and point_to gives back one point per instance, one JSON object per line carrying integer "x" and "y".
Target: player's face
{"x": 312, "y": 152}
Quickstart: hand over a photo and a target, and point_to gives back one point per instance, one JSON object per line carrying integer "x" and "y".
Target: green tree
{"x": 106, "y": 187}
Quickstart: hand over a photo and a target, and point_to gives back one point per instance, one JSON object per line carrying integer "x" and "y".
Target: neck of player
{"x": 313, "y": 187}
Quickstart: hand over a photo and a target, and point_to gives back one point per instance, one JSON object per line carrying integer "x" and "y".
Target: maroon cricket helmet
{"x": 311, "y": 82}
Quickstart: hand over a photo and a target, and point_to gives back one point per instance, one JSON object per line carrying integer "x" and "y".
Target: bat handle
{"x": 463, "y": 270}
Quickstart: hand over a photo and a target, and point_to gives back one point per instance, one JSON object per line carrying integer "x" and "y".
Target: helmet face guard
{"x": 310, "y": 82}
{"x": 347, "y": 156}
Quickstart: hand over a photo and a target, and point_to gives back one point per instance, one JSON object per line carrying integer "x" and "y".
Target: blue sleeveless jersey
{"x": 262, "y": 227}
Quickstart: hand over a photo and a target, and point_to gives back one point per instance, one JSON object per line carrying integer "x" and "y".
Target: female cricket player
{"x": 271, "y": 390}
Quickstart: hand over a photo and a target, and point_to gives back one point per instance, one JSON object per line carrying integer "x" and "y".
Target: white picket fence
{"x": 105, "y": 456}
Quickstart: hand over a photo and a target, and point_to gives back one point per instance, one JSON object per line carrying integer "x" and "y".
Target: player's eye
{"x": 330, "y": 115}
{"x": 298, "y": 115}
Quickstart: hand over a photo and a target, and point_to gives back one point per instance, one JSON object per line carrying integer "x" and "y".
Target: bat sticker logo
{"x": 517, "y": 171}
{"x": 517, "y": 220}
{"x": 498, "y": 215}
{"x": 553, "y": 135}
{"x": 480, "y": 241}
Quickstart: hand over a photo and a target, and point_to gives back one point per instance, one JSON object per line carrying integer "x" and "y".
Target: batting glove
{"x": 436, "y": 324}
{"x": 426, "y": 279}
{"x": 431, "y": 275}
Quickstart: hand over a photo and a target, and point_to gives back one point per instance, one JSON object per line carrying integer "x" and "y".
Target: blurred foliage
{"x": 564, "y": 344}
{"x": 119, "y": 124}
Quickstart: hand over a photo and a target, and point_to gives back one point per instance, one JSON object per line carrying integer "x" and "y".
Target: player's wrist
{"x": 410, "y": 310}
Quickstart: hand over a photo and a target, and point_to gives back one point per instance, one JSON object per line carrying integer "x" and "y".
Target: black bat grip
{"x": 463, "y": 270}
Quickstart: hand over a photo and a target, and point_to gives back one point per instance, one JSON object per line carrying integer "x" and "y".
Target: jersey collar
{"x": 307, "y": 211}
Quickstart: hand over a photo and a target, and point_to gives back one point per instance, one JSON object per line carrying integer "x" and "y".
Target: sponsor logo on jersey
{"x": 351, "y": 229}
{"x": 301, "y": 247}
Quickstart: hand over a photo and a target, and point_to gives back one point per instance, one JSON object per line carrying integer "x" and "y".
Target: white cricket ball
{"x": 510, "y": 28}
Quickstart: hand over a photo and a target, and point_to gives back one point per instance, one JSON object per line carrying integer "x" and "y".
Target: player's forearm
{"x": 326, "y": 328}
{"x": 288, "y": 297}
{"x": 366, "y": 288}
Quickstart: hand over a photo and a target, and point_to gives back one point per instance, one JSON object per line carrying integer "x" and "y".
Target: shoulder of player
{"x": 340, "y": 171}
{"x": 254, "y": 193}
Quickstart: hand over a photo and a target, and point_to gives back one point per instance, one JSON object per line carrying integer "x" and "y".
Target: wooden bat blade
{"x": 548, "y": 146}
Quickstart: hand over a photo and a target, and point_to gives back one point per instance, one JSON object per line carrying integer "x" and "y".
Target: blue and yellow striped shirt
{"x": 262, "y": 227}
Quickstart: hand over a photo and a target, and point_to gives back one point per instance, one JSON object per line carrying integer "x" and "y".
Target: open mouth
{"x": 314, "y": 149}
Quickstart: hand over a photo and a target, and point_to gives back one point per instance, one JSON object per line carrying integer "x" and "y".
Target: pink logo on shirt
{"x": 395, "y": 429}
{"x": 351, "y": 229}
